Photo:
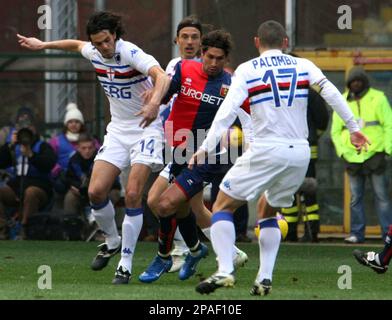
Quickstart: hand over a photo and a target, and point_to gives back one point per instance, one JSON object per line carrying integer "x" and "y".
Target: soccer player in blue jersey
{"x": 188, "y": 39}
{"x": 201, "y": 88}
{"x": 124, "y": 71}
{"x": 276, "y": 163}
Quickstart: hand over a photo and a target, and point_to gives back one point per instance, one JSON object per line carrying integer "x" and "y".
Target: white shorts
{"x": 278, "y": 170}
{"x": 125, "y": 150}
{"x": 165, "y": 173}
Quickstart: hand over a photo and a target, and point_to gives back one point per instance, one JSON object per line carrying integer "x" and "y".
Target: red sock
{"x": 386, "y": 254}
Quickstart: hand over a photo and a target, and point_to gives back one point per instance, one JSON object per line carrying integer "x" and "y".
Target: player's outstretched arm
{"x": 334, "y": 98}
{"x": 36, "y": 44}
{"x": 150, "y": 110}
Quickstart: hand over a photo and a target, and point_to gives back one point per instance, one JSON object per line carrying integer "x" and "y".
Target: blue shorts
{"x": 193, "y": 181}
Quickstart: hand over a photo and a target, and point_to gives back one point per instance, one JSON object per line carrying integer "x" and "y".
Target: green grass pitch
{"x": 301, "y": 272}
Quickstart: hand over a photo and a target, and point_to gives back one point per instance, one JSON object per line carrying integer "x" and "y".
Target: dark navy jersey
{"x": 199, "y": 98}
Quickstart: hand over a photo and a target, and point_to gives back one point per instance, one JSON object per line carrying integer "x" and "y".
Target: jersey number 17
{"x": 269, "y": 77}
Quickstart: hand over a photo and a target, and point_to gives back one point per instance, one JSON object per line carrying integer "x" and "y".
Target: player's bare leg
{"x": 158, "y": 187}
{"x": 179, "y": 246}
{"x": 173, "y": 207}
{"x": 203, "y": 220}
{"x": 173, "y": 200}
{"x": 162, "y": 262}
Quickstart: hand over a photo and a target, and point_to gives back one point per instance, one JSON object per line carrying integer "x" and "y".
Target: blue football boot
{"x": 157, "y": 267}
{"x": 189, "y": 267}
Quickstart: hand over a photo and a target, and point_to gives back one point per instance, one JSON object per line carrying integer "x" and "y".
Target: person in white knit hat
{"x": 65, "y": 143}
{"x": 73, "y": 113}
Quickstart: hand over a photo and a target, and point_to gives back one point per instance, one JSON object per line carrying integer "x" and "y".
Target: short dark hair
{"x": 85, "y": 137}
{"x": 105, "y": 20}
{"x": 217, "y": 39}
{"x": 190, "y": 21}
{"x": 271, "y": 33}
{"x": 25, "y": 111}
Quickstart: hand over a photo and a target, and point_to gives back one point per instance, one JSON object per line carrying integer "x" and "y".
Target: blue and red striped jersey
{"x": 198, "y": 100}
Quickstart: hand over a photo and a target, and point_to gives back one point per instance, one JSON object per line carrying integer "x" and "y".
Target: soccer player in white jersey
{"x": 124, "y": 71}
{"x": 277, "y": 160}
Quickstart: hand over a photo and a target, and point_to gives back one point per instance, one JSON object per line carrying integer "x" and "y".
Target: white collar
{"x": 272, "y": 52}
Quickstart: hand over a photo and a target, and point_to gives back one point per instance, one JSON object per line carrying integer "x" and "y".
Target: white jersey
{"x": 277, "y": 86}
{"x": 123, "y": 78}
{"x": 171, "y": 66}
{"x": 170, "y": 71}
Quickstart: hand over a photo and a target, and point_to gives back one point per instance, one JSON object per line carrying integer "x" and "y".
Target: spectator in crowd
{"x": 77, "y": 178}
{"x": 4, "y": 132}
{"x": 374, "y": 115}
{"x": 65, "y": 143}
{"x": 23, "y": 114}
{"x": 30, "y": 160}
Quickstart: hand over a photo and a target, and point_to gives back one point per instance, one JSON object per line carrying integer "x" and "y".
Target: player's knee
{"x": 153, "y": 202}
{"x": 133, "y": 198}
{"x": 96, "y": 194}
{"x": 166, "y": 207}
{"x": 30, "y": 195}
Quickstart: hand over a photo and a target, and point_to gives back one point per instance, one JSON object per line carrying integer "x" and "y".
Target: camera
{"x": 25, "y": 137}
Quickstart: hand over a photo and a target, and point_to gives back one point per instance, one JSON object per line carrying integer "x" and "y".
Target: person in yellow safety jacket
{"x": 374, "y": 115}
{"x": 318, "y": 118}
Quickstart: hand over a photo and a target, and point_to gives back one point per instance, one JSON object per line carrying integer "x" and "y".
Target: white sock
{"x": 222, "y": 238}
{"x": 105, "y": 219}
{"x": 131, "y": 227}
{"x": 269, "y": 241}
{"x": 179, "y": 245}
{"x": 207, "y": 233}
